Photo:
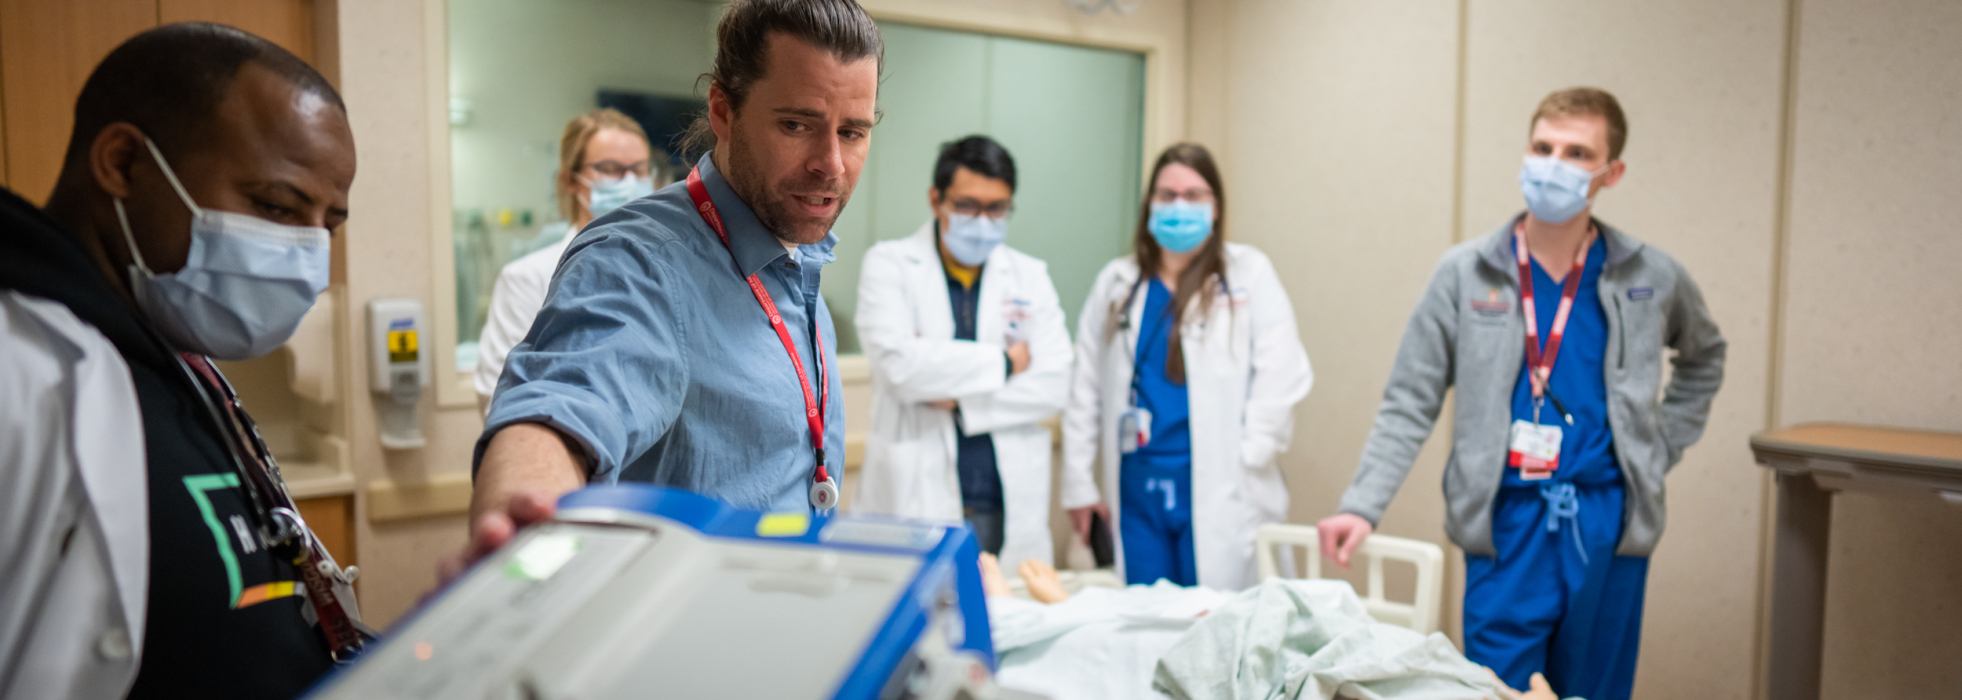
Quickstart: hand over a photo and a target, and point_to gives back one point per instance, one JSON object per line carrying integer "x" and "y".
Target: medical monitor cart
{"x": 648, "y": 592}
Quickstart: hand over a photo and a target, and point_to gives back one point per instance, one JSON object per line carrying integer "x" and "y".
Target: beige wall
{"x": 1872, "y": 328}
{"x": 1346, "y": 126}
{"x": 1353, "y": 204}
{"x": 389, "y": 254}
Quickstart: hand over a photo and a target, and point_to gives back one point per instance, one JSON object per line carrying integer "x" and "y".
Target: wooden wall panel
{"x": 47, "y": 48}
{"x": 332, "y": 520}
{"x": 288, "y": 23}
{"x": 3, "y": 130}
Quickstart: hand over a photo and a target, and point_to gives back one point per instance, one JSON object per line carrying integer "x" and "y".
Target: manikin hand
{"x": 1045, "y": 585}
{"x": 993, "y": 584}
{"x": 1541, "y": 690}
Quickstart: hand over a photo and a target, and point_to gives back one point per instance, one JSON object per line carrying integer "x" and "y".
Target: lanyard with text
{"x": 824, "y": 489}
{"x": 1536, "y": 448}
{"x": 329, "y": 588}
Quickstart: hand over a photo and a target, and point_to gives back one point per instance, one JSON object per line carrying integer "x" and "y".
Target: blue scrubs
{"x": 1155, "y": 482}
{"x": 1556, "y": 599}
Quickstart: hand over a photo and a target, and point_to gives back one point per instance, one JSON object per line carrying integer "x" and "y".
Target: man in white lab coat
{"x": 969, "y": 355}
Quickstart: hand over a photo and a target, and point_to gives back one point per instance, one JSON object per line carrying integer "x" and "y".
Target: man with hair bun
{"x": 684, "y": 342}
{"x": 1552, "y": 329}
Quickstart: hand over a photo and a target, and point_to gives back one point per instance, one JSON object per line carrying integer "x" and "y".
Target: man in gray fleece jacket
{"x": 1558, "y": 450}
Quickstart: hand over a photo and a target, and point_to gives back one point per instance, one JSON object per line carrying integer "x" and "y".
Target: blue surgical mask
{"x": 972, "y": 238}
{"x": 1555, "y": 189}
{"x": 1181, "y": 225}
{"x": 243, "y": 288}
{"x": 610, "y": 194}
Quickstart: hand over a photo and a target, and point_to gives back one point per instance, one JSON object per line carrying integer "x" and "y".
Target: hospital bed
{"x": 640, "y": 591}
{"x": 1420, "y": 614}
{"x": 1273, "y": 544}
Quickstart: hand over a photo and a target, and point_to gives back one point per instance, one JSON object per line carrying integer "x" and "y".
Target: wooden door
{"x": 332, "y": 520}
{"x": 288, "y": 23}
{"x": 49, "y": 47}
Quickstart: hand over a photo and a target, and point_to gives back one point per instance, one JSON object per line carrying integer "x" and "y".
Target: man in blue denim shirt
{"x": 651, "y": 359}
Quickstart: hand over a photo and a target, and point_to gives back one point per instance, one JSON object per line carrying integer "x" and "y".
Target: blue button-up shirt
{"x": 653, "y": 354}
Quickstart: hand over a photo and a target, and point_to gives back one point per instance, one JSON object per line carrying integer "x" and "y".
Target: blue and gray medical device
{"x": 646, "y": 592}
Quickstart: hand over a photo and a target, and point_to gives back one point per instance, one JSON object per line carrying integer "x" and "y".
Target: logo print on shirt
{"x": 241, "y": 597}
{"x": 1640, "y": 293}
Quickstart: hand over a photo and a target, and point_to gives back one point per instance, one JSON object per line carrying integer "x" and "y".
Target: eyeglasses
{"x": 994, "y": 210}
{"x": 1196, "y": 195}
{"x": 616, "y": 169}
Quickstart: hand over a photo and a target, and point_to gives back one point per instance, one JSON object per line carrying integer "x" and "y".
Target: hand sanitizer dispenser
{"x": 398, "y": 369}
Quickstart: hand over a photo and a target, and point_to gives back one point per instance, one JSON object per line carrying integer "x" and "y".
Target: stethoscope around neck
{"x": 1131, "y": 298}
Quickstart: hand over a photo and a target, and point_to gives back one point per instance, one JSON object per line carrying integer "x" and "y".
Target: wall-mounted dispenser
{"x": 398, "y": 369}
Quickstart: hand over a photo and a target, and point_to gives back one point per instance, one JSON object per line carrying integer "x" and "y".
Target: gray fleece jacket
{"x": 1468, "y": 332}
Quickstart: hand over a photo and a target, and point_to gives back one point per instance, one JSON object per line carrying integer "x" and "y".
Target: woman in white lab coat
{"x": 604, "y": 162}
{"x": 935, "y": 394}
{"x": 1186, "y": 382}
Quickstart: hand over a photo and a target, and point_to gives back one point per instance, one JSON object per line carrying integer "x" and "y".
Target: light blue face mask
{"x": 972, "y": 238}
{"x": 610, "y": 194}
{"x": 1555, "y": 190}
{"x": 244, "y": 286}
{"x": 1181, "y": 225}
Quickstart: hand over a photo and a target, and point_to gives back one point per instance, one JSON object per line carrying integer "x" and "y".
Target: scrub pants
{"x": 1155, "y": 510}
{"x": 1549, "y": 603}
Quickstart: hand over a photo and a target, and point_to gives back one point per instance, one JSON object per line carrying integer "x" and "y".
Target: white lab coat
{"x": 1245, "y": 370}
{"x": 74, "y": 508}
{"x": 906, "y": 325}
{"x": 515, "y": 301}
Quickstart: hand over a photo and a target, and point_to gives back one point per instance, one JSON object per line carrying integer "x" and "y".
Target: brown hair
{"x": 1586, "y": 102}
{"x": 742, "y": 40}
{"x": 1207, "y": 272}
{"x": 572, "y": 150}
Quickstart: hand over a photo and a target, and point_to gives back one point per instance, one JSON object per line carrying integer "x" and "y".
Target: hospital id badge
{"x": 1535, "y": 449}
{"x": 1133, "y": 430}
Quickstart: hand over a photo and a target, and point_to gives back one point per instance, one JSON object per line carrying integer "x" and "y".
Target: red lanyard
{"x": 344, "y": 638}
{"x": 813, "y": 403}
{"x": 1541, "y": 364}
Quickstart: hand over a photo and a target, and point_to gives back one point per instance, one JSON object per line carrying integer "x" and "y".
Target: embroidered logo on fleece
{"x": 1492, "y": 304}
{"x": 1640, "y": 293}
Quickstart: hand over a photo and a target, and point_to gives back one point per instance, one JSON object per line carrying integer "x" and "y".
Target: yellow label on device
{"x": 402, "y": 346}
{"x": 783, "y": 525}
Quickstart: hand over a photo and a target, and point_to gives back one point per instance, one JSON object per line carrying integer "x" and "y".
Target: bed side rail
{"x": 1420, "y": 614}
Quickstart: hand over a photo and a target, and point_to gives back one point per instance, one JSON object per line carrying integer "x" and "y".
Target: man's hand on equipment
{"x": 1341, "y": 534}
{"x": 944, "y": 404}
{"x": 1018, "y": 358}
{"x": 525, "y": 469}
{"x": 491, "y": 531}
{"x": 1080, "y": 518}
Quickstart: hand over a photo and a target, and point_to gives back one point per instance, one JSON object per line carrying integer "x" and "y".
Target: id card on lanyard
{"x": 1134, "y": 424}
{"x": 824, "y": 489}
{"x": 1535, "y": 448}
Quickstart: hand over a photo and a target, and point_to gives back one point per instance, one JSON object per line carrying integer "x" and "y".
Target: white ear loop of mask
{"x": 123, "y": 218}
